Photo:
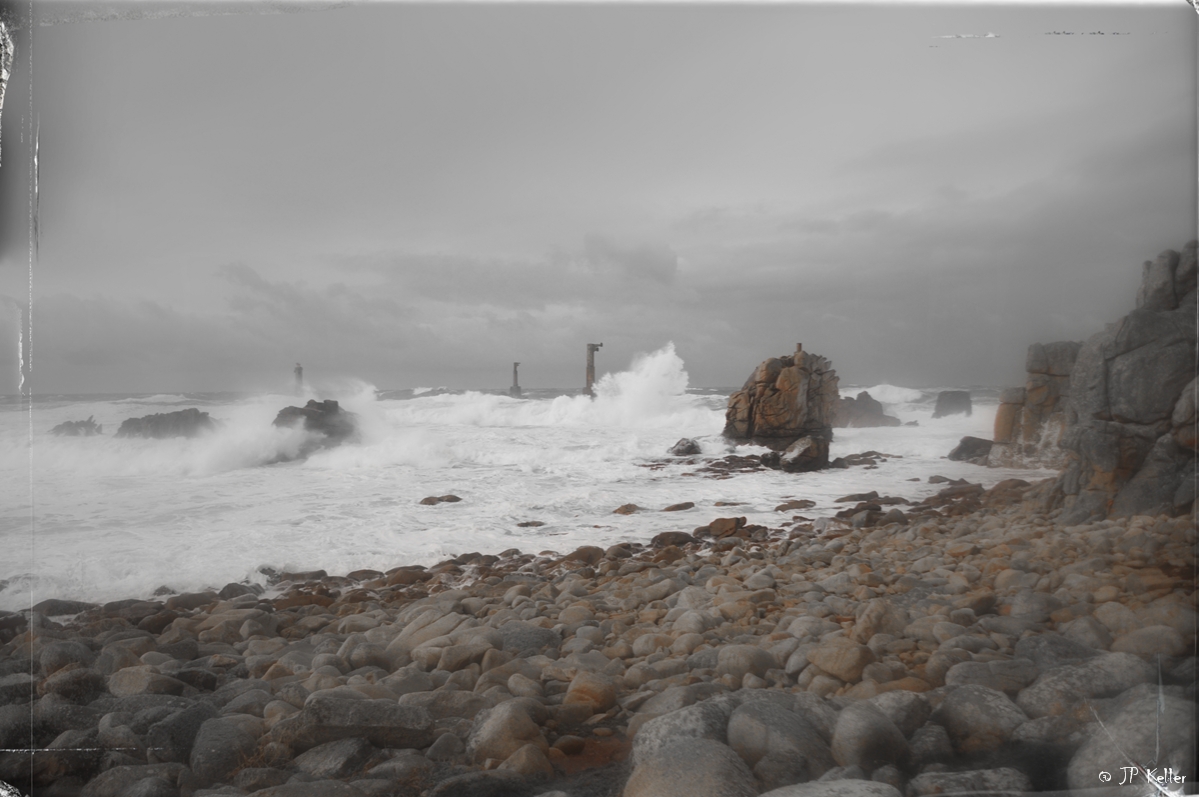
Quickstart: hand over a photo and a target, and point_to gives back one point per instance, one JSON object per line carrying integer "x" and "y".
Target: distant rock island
{"x": 861, "y": 411}
{"x": 183, "y": 423}
{"x": 78, "y": 428}
{"x": 952, "y": 402}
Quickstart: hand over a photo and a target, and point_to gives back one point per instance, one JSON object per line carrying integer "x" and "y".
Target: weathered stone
{"x": 221, "y": 746}
{"x": 737, "y": 660}
{"x": 339, "y": 759}
{"x": 1124, "y": 388}
{"x": 971, "y": 449}
{"x": 952, "y": 402}
{"x": 1107, "y": 675}
{"x": 531, "y": 761}
{"x": 501, "y": 731}
{"x": 691, "y": 768}
{"x": 907, "y": 710}
{"x": 77, "y": 685}
{"x": 975, "y": 781}
{"x": 978, "y": 718}
{"x": 705, "y": 720}
{"x": 866, "y": 737}
{"x": 835, "y": 788}
{"x": 1150, "y": 642}
{"x": 1165, "y": 726}
{"x": 489, "y": 783}
{"x": 143, "y": 680}
{"x": 930, "y": 744}
{"x": 182, "y": 423}
{"x": 520, "y": 636}
{"x": 442, "y": 704}
{"x": 172, "y": 738}
{"x": 384, "y": 723}
{"x": 686, "y": 447}
{"x": 1009, "y": 676}
{"x": 594, "y": 690}
{"x": 786, "y": 399}
{"x": 842, "y": 658}
{"x": 117, "y": 782}
{"x": 761, "y": 729}
{"x": 862, "y": 411}
{"x": 311, "y": 788}
{"x": 880, "y": 616}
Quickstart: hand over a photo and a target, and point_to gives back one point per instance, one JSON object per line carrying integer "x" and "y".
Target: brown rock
{"x": 529, "y": 760}
{"x": 592, "y": 689}
{"x": 785, "y": 399}
{"x": 843, "y": 658}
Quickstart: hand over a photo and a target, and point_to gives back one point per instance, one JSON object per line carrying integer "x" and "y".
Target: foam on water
{"x": 117, "y": 518}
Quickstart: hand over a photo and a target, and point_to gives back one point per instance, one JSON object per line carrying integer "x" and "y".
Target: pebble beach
{"x": 963, "y": 643}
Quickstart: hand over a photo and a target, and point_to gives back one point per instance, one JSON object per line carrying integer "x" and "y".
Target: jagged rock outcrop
{"x": 1031, "y": 420}
{"x": 1132, "y": 439}
{"x": 183, "y": 423}
{"x": 78, "y": 428}
{"x": 952, "y": 402}
{"x": 321, "y": 417}
{"x": 785, "y": 402}
{"x": 971, "y": 449}
{"x": 861, "y": 411}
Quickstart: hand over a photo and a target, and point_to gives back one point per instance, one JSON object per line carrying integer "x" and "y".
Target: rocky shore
{"x": 967, "y": 643}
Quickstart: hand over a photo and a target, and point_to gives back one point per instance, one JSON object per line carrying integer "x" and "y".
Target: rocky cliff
{"x": 1131, "y": 440}
{"x": 1031, "y": 420}
{"x": 787, "y": 402}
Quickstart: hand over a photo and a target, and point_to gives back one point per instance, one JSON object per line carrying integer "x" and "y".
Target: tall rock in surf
{"x": 1031, "y": 420}
{"x": 1132, "y": 406}
{"x": 324, "y": 418}
{"x": 788, "y": 404}
{"x": 952, "y": 402}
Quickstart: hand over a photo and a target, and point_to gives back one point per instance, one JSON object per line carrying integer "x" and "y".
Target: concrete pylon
{"x": 592, "y": 348}
{"x": 515, "y": 390}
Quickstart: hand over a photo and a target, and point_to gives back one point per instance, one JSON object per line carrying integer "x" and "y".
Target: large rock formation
{"x": 78, "y": 428}
{"x": 862, "y": 410}
{"x": 788, "y": 402}
{"x": 183, "y": 423}
{"x": 1132, "y": 405}
{"x": 1031, "y": 420}
{"x": 322, "y": 417}
{"x": 952, "y": 402}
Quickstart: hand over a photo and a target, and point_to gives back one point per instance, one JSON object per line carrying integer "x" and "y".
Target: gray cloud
{"x": 459, "y": 187}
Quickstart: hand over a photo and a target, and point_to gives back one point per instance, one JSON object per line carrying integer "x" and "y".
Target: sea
{"x": 100, "y": 518}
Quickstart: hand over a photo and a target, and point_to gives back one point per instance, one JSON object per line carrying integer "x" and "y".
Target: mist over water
{"x": 100, "y": 518}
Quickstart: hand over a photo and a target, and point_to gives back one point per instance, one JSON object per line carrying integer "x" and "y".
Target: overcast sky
{"x": 418, "y": 195}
